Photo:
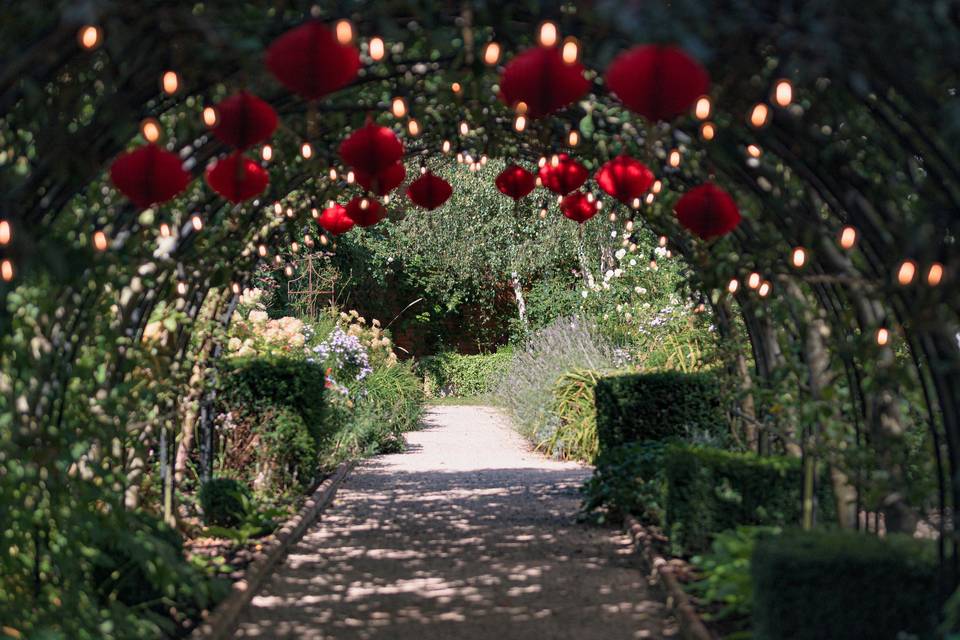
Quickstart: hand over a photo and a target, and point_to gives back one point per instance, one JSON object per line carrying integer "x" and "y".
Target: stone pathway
{"x": 467, "y": 535}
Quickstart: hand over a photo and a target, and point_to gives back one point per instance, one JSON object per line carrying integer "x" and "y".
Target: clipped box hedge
{"x": 654, "y": 406}
{"x": 710, "y": 490}
{"x": 453, "y": 374}
{"x": 811, "y": 585}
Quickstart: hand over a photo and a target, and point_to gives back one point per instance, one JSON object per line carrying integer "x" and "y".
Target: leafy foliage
{"x": 224, "y": 502}
{"x": 575, "y": 437}
{"x": 628, "y": 480}
{"x": 453, "y": 374}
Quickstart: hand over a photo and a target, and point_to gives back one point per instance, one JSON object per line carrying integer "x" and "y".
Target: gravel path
{"x": 467, "y": 535}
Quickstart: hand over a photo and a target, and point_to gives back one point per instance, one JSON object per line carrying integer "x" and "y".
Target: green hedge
{"x": 810, "y": 585}
{"x": 654, "y": 406}
{"x": 452, "y": 374}
{"x": 710, "y": 490}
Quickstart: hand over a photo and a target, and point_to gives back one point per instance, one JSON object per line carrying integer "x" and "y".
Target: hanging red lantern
{"x": 237, "y": 177}
{"x": 149, "y": 175}
{"x": 335, "y": 220}
{"x": 624, "y": 178}
{"x": 371, "y": 149}
{"x": 429, "y": 191}
{"x": 383, "y": 182}
{"x": 516, "y": 182}
{"x": 366, "y": 212}
{"x": 579, "y": 206}
{"x": 708, "y": 211}
{"x": 564, "y": 175}
{"x": 311, "y": 62}
{"x": 659, "y": 82}
{"x": 541, "y": 79}
{"x": 244, "y": 120}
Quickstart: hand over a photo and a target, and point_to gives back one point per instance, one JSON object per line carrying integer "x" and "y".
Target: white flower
{"x": 584, "y": 294}
{"x": 660, "y": 251}
{"x": 633, "y": 262}
{"x": 620, "y": 253}
{"x": 257, "y": 317}
{"x": 608, "y": 274}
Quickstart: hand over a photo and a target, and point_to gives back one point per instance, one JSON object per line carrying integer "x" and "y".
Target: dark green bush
{"x": 653, "y": 406}
{"x": 452, "y": 374}
{"x": 628, "y": 480}
{"x": 710, "y": 490}
{"x": 224, "y": 502}
{"x": 841, "y": 584}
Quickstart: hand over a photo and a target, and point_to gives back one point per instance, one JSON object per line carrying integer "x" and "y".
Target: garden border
{"x": 223, "y": 619}
{"x": 691, "y": 626}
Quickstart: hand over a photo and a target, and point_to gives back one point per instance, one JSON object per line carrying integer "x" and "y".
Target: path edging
{"x": 222, "y": 620}
{"x": 691, "y": 626}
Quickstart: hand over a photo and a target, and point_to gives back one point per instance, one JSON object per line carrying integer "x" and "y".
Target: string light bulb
{"x": 6, "y": 270}
{"x": 210, "y": 116}
{"x": 520, "y": 123}
{"x": 543, "y": 214}
{"x": 377, "y": 48}
{"x": 753, "y": 280}
{"x": 323, "y": 241}
{"x": 344, "y": 31}
{"x": 6, "y": 232}
{"x": 351, "y": 177}
{"x": 90, "y": 36}
{"x": 288, "y": 270}
{"x": 883, "y": 336}
{"x": 708, "y": 131}
{"x": 783, "y": 93}
{"x": 733, "y": 285}
{"x": 573, "y": 138}
{"x": 464, "y": 128}
{"x": 848, "y": 237}
{"x": 295, "y": 246}
{"x": 150, "y": 129}
{"x": 262, "y": 250}
{"x": 754, "y": 151}
{"x": 100, "y": 241}
{"x": 196, "y": 222}
{"x": 491, "y": 54}
{"x": 332, "y": 174}
{"x": 674, "y": 159}
{"x": 906, "y": 272}
{"x": 445, "y": 147}
{"x": 170, "y": 82}
{"x": 306, "y": 150}
{"x": 759, "y": 115}
{"x": 799, "y": 257}
{"x": 266, "y": 153}
{"x": 649, "y": 198}
{"x": 548, "y": 34}
{"x": 765, "y": 288}
{"x": 636, "y": 203}
{"x": 657, "y": 186}
{"x": 703, "y": 108}
{"x": 570, "y": 51}
{"x": 182, "y": 288}
{"x": 164, "y": 230}
{"x": 662, "y": 241}
{"x": 235, "y": 288}
{"x": 398, "y": 107}
{"x": 935, "y": 274}
{"x": 456, "y": 87}
{"x": 413, "y": 127}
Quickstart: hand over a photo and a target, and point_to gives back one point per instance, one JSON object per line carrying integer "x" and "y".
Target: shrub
{"x": 452, "y": 374}
{"x": 224, "y": 502}
{"x": 654, "y": 406}
{"x": 575, "y": 437}
{"x": 627, "y": 480}
{"x": 842, "y": 584}
{"x": 710, "y": 490}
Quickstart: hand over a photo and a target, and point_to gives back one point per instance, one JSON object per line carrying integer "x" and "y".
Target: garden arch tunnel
{"x": 862, "y": 330}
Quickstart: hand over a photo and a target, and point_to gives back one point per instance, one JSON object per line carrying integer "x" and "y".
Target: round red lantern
{"x": 429, "y": 191}
{"x": 366, "y": 212}
{"x": 516, "y": 182}
{"x": 335, "y": 220}
{"x": 383, "y": 182}
{"x": 659, "y": 82}
{"x": 708, "y": 211}
{"x": 624, "y": 178}
{"x": 540, "y": 78}
{"x": 371, "y": 149}
{"x": 311, "y": 62}
{"x": 237, "y": 177}
{"x": 244, "y": 120}
{"x": 149, "y": 175}
{"x": 579, "y": 206}
{"x": 562, "y": 174}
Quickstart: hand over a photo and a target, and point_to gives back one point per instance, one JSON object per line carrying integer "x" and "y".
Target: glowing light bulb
{"x": 351, "y": 177}
{"x": 344, "y": 31}
{"x": 571, "y": 50}
{"x": 708, "y": 131}
{"x": 554, "y": 161}
{"x": 170, "y": 82}
{"x": 935, "y": 274}
{"x": 210, "y": 116}
{"x": 629, "y": 225}
{"x": 277, "y": 260}
{"x": 333, "y": 174}
{"x": 703, "y": 108}
{"x": 456, "y": 87}
{"x": 446, "y": 146}
{"x": 464, "y": 128}
{"x": 235, "y": 288}
{"x": 196, "y": 222}
{"x": 295, "y": 246}
{"x": 759, "y": 115}
{"x": 266, "y": 153}
{"x": 754, "y": 151}
{"x": 6, "y": 270}
{"x": 674, "y": 158}
{"x": 150, "y": 129}
{"x": 306, "y": 150}
{"x": 783, "y": 93}
{"x": 907, "y": 272}
{"x": 662, "y": 241}
{"x": 548, "y": 34}
{"x": 364, "y": 204}
{"x": 413, "y": 127}
{"x": 262, "y": 250}
{"x": 883, "y": 336}
{"x": 323, "y": 241}
{"x": 90, "y": 37}
{"x": 649, "y": 198}
{"x": 100, "y": 241}
{"x": 182, "y": 288}
{"x": 573, "y": 138}
{"x": 764, "y": 289}
{"x": 612, "y": 217}
{"x": 657, "y": 186}
{"x": 491, "y": 53}
{"x": 799, "y": 257}
{"x": 314, "y": 213}
{"x": 848, "y": 237}
{"x": 6, "y": 232}
{"x": 521, "y": 108}
{"x": 520, "y": 123}
{"x": 278, "y": 209}
{"x": 636, "y": 203}
{"x": 733, "y": 285}
{"x": 288, "y": 270}
{"x": 164, "y": 230}
{"x": 377, "y": 48}
{"x": 542, "y": 162}
{"x": 753, "y": 280}
{"x": 399, "y": 107}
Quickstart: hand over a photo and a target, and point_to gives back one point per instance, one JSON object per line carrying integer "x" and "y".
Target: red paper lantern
{"x": 335, "y": 220}
{"x": 149, "y": 175}
{"x": 516, "y": 182}
{"x": 579, "y": 207}
{"x": 371, "y": 149}
{"x": 624, "y": 178}
{"x": 566, "y": 176}
{"x": 237, "y": 177}
{"x": 429, "y": 191}
{"x": 540, "y": 78}
{"x": 383, "y": 182}
{"x": 366, "y": 212}
{"x": 659, "y": 82}
{"x": 310, "y": 61}
{"x": 244, "y": 120}
{"x": 708, "y": 211}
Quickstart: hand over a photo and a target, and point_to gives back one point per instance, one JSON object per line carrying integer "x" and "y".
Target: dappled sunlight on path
{"x": 468, "y": 534}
